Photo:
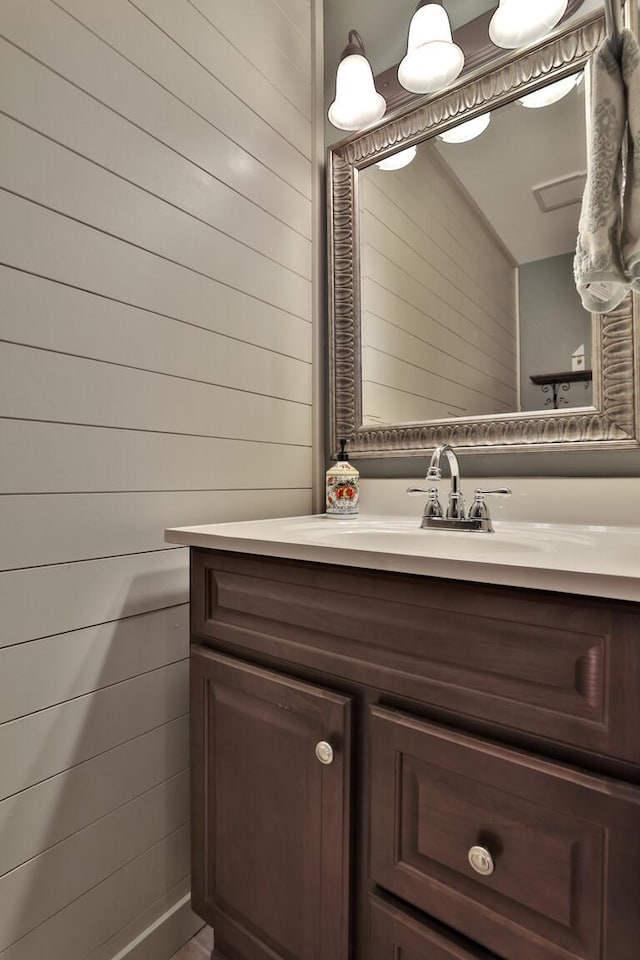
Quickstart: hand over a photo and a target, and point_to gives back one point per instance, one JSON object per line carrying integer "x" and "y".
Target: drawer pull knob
{"x": 481, "y": 861}
{"x": 324, "y": 752}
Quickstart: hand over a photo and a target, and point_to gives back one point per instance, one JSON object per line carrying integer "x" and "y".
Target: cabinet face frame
{"x": 614, "y": 420}
{"x": 251, "y": 725}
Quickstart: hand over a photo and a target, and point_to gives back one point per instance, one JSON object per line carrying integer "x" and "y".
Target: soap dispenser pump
{"x": 343, "y": 491}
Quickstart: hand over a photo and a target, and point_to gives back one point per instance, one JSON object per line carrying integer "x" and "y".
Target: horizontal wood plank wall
{"x": 156, "y": 174}
{"x": 438, "y": 299}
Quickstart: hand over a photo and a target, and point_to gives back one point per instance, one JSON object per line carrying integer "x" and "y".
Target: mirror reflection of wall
{"x": 438, "y": 299}
{"x": 466, "y": 267}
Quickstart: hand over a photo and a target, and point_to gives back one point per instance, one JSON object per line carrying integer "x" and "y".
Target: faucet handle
{"x": 433, "y": 507}
{"x": 499, "y": 492}
{"x": 478, "y": 509}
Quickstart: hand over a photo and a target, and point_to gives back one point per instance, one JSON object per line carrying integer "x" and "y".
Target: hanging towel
{"x": 601, "y": 278}
{"x": 631, "y": 210}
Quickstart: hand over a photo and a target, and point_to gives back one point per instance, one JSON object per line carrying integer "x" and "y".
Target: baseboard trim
{"x": 164, "y": 937}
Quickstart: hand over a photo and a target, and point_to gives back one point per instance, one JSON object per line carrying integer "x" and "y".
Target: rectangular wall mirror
{"x": 454, "y": 314}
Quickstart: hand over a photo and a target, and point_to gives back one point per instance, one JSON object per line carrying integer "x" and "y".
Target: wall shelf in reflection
{"x": 556, "y": 382}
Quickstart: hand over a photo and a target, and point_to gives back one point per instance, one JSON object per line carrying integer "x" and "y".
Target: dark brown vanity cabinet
{"x": 388, "y": 767}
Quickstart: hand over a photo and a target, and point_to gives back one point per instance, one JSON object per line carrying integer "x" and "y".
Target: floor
{"x": 197, "y": 949}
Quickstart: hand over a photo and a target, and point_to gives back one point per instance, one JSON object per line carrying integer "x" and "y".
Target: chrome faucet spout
{"x": 435, "y": 472}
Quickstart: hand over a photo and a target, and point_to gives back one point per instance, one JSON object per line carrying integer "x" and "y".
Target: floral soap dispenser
{"x": 343, "y": 491}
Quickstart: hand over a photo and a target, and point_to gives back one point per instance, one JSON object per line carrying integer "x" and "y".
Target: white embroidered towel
{"x": 601, "y": 278}
{"x": 631, "y": 212}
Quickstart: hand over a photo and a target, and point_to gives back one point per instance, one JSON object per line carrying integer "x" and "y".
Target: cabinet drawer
{"x": 564, "y": 846}
{"x": 395, "y": 934}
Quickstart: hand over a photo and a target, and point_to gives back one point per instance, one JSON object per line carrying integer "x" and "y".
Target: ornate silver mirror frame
{"x": 614, "y": 418}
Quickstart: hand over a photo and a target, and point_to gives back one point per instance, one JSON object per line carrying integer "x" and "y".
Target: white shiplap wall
{"x": 438, "y": 299}
{"x": 156, "y": 262}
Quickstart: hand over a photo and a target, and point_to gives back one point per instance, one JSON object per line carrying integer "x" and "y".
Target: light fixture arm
{"x": 354, "y": 46}
{"x": 425, "y": 3}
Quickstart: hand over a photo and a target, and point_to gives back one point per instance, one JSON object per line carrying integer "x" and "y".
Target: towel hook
{"x": 613, "y": 17}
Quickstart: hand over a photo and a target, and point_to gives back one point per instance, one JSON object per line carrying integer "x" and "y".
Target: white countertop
{"x": 598, "y": 561}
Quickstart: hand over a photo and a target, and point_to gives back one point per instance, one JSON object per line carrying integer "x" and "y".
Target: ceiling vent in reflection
{"x": 560, "y": 193}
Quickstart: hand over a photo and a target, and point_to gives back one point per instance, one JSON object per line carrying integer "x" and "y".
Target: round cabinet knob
{"x": 481, "y": 860}
{"x": 324, "y": 752}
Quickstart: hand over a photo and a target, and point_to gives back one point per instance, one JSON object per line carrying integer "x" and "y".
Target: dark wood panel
{"x": 270, "y": 822}
{"x": 561, "y": 841}
{"x": 563, "y": 668}
{"x": 396, "y": 933}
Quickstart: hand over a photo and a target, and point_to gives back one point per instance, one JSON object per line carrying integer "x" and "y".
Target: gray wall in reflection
{"x": 553, "y": 323}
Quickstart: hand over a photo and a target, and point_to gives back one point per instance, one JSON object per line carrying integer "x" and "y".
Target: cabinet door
{"x": 270, "y": 811}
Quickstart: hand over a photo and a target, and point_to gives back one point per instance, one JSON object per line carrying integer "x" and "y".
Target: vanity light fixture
{"x": 433, "y": 60}
{"x": 357, "y": 103}
{"x": 398, "y": 160}
{"x": 551, "y": 94}
{"x": 517, "y": 23}
{"x": 466, "y": 131}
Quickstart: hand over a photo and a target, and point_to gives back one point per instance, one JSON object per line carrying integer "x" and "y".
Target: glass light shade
{"x": 398, "y": 160}
{"x": 433, "y": 60}
{"x": 466, "y": 131}
{"x": 517, "y": 23}
{"x": 551, "y": 94}
{"x": 357, "y": 102}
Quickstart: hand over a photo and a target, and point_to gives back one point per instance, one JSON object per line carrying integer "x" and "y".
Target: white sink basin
{"x": 404, "y": 535}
